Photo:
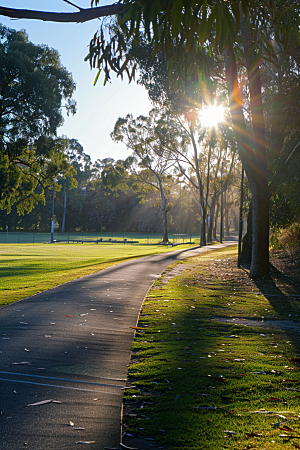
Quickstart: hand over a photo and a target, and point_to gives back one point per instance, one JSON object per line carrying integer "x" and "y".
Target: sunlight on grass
{"x": 27, "y": 269}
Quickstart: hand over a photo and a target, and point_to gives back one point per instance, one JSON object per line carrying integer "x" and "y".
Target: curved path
{"x": 70, "y": 346}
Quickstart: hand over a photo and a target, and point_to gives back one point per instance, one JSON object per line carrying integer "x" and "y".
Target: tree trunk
{"x": 203, "y": 225}
{"x": 164, "y": 213}
{"x": 200, "y": 188}
{"x": 211, "y": 220}
{"x": 260, "y": 239}
{"x": 245, "y": 257}
{"x": 254, "y": 161}
{"x": 226, "y": 215}
{"x": 216, "y": 222}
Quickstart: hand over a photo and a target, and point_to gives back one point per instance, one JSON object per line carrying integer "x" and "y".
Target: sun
{"x": 212, "y": 115}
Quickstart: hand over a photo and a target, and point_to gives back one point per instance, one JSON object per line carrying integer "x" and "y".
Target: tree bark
{"x": 203, "y": 225}
{"x": 254, "y": 161}
{"x": 164, "y": 213}
{"x": 216, "y": 222}
{"x": 211, "y": 221}
{"x": 258, "y": 179}
{"x": 84, "y": 14}
{"x": 200, "y": 188}
{"x": 245, "y": 257}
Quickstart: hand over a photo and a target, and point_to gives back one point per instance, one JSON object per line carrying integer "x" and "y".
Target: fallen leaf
{"x": 21, "y": 363}
{"x": 285, "y": 428}
{"x": 252, "y": 434}
{"x": 43, "y": 402}
{"x": 127, "y": 448}
{"x": 294, "y": 360}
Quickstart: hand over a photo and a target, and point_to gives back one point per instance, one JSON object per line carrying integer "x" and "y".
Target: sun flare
{"x": 212, "y": 115}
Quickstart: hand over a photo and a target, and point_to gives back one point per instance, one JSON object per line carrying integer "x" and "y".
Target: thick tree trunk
{"x": 260, "y": 238}
{"x": 246, "y": 253}
{"x": 254, "y": 161}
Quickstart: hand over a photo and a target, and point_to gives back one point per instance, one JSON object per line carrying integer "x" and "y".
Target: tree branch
{"x": 83, "y": 15}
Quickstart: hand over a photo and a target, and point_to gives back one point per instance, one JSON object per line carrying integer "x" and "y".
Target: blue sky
{"x": 98, "y": 107}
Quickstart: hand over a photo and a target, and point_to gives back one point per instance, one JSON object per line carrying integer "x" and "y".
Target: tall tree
{"x": 151, "y": 159}
{"x": 33, "y": 85}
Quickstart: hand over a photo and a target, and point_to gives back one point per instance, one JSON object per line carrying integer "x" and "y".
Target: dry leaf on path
{"x": 43, "y": 402}
{"x": 127, "y": 448}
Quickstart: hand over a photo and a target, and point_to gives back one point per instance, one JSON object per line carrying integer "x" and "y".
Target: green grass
{"x": 27, "y": 269}
{"x": 183, "y": 362}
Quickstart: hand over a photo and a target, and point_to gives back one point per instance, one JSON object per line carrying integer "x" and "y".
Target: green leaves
{"x": 176, "y": 17}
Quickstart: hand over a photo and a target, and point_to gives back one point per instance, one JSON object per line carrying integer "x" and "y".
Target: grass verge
{"x": 27, "y": 269}
{"x": 203, "y": 384}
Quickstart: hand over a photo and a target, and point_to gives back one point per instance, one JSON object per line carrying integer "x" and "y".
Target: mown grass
{"x": 27, "y": 269}
{"x": 202, "y": 384}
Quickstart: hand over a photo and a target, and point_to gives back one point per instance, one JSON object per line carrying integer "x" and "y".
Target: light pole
{"x": 52, "y": 218}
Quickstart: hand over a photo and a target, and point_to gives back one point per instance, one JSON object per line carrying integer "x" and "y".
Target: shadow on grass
{"x": 282, "y": 291}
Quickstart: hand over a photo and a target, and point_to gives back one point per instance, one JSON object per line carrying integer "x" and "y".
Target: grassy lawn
{"x": 203, "y": 384}
{"x": 27, "y": 269}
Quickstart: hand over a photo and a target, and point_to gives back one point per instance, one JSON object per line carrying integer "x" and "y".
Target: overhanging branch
{"x": 84, "y": 15}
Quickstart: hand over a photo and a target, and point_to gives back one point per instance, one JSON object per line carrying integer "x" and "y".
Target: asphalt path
{"x": 69, "y": 347}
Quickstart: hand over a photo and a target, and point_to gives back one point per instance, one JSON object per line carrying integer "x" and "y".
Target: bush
{"x": 287, "y": 239}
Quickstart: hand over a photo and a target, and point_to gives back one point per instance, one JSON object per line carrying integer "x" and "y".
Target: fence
{"x": 45, "y": 238}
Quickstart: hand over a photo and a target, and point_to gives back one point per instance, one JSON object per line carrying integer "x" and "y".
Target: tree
{"x": 151, "y": 159}
{"x": 33, "y": 85}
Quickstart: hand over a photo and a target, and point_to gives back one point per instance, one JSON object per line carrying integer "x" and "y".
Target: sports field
{"x": 20, "y": 237}
{"x": 31, "y": 268}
